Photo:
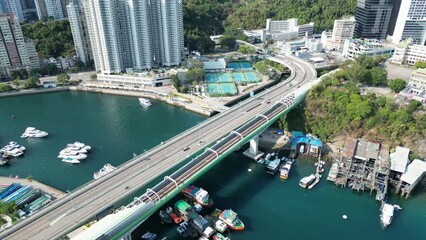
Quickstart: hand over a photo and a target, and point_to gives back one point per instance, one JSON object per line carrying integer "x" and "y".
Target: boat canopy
{"x": 182, "y": 205}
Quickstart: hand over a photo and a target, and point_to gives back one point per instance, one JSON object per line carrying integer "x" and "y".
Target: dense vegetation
{"x": 52, "y": 38}
{"x": 253, "y": 13}
{"x": 203, "y": 18}
{"x": 336, "y": 107}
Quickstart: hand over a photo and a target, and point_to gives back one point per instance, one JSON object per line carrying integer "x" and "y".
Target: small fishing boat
{"x": 164, "y": 217}
{"x": 176, "y": 219}
{"x": 219, "y": 236}
{"x": 231, "y": 219}
{"x": 285, "y": 170}
{"x": 306, "y": 181}
{"x": 387, "y": 214}
{"x": 145, "y": 102}
{"x": 198, "y": 195}
{"x": 149, "y": 236}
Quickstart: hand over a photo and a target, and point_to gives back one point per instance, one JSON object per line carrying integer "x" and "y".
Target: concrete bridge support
{"x": 253, "y": 151}
{"x": 128, "y": 236}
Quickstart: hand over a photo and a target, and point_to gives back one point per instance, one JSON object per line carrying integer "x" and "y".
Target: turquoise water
{"x": 115, "y": 127}
{"x": 275, "y": 210}
{"x": 118, "y": 126}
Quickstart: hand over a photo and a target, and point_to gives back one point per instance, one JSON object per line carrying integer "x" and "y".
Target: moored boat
{"x": 387, "y": 214}
{"x": 306, "y": 181}
{"x": 273, "y": 166}
{"x": 219, "y": 236}
{"x": 73, "y": 155}
{"x": 107, "y": 168}
{"x": 32, "y": 132}
{"x": 176, "y": 219}
{"x": 198, "y": 195}
{"x": 145, "y": 102}
{"x": 71, "y": 160}
{"x": 164, "y": 217}
{"x": 231, "y": 219}
{"x": 285, "y": 170}
{"x": 149, "y": 236}
{"x": 220, "y": 226}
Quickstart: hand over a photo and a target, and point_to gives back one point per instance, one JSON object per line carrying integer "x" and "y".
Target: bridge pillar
{"x": 253, "y": 151}
{"x": 128, "y": 236}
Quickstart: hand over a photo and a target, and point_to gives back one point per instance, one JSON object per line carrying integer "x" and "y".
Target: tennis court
{"x": 251, "y": 77}
{"x": 239, "y": 65}
{"x": 220, "y": 89}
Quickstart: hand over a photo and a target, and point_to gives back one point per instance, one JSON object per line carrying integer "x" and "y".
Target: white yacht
{"x": 75, "y": 149}
{"x": 32, "y": 132}
{"x": 73, "y": 155}
{"x": 71, "y": 160}
{"x": 79, "y": 145}
{"x": 387, "y": 214}
{"x": 13, "y": 149}
{"x": 107, "y": 168}
{"x": 145, "y": 102}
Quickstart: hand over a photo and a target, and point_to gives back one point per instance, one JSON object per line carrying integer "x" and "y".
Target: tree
{"x": 63, "y": 79}
{"x": 16, "y": 83}
{"x": 357, "y": 73}
{"x": 194, "y": 74}
{"x": 397, "y": 84}
{"x": 93, "y": 77}
{"x": 175, "y": 81}
{"x": 420, "y": 64}
{"x": 31, "y": 82}
{"x": 245, "y": 49}
{"x": 228, "y": 42}
{"x": 5, "y": 87}
{"x": 261, "y": 67}
{"x": 378, "y": 76}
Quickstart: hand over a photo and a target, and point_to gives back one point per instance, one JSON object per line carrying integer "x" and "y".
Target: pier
{"x": 362, "y": 165}
{"x": 55, "y": 193}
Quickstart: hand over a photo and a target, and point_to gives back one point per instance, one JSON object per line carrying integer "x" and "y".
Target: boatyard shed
{"x": 399, "y": 159}
{"x": 410, "y": 179}
{"x": 366, "y": 150}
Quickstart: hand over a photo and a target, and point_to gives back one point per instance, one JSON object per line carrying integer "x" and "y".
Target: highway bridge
{"x": 243, "y": 121}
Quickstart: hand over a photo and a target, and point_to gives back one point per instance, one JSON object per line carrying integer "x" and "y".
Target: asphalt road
{"x": 72, "y": 211}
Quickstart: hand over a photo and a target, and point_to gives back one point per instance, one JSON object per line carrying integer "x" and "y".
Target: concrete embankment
{"x": 189, "y": 106}
{"x": 33, "y": 91}
{"x": 55, "y": 193}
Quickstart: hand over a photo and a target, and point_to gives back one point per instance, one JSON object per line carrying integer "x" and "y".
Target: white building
{"x": 342, "y": 30}
{"x": 49, "y": 8}
{"x": 418, "y": 79}
{"x": 280, "y": 25}
{"x": 353, "y": 48}
{"x": 399, "y": 159}
{"x": 285, "y": 30}
{"x": 408, "y": 53}
{"x": 411, "y": 22}
{"x": 134, "y": 34}
{"x": 77, "y": 31}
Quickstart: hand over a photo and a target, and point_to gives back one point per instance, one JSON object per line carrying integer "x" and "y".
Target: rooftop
{"x": 420, "y": 72}
{"x": 367, "y": 150}
{"x": 215, "y": 64}
{"x": 414, "y": 171}
{"x": 399, "y": 159}
{"x": 350, "y": 145}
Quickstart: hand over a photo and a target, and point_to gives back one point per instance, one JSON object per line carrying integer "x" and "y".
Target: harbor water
{"x": 116, "y": 127}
